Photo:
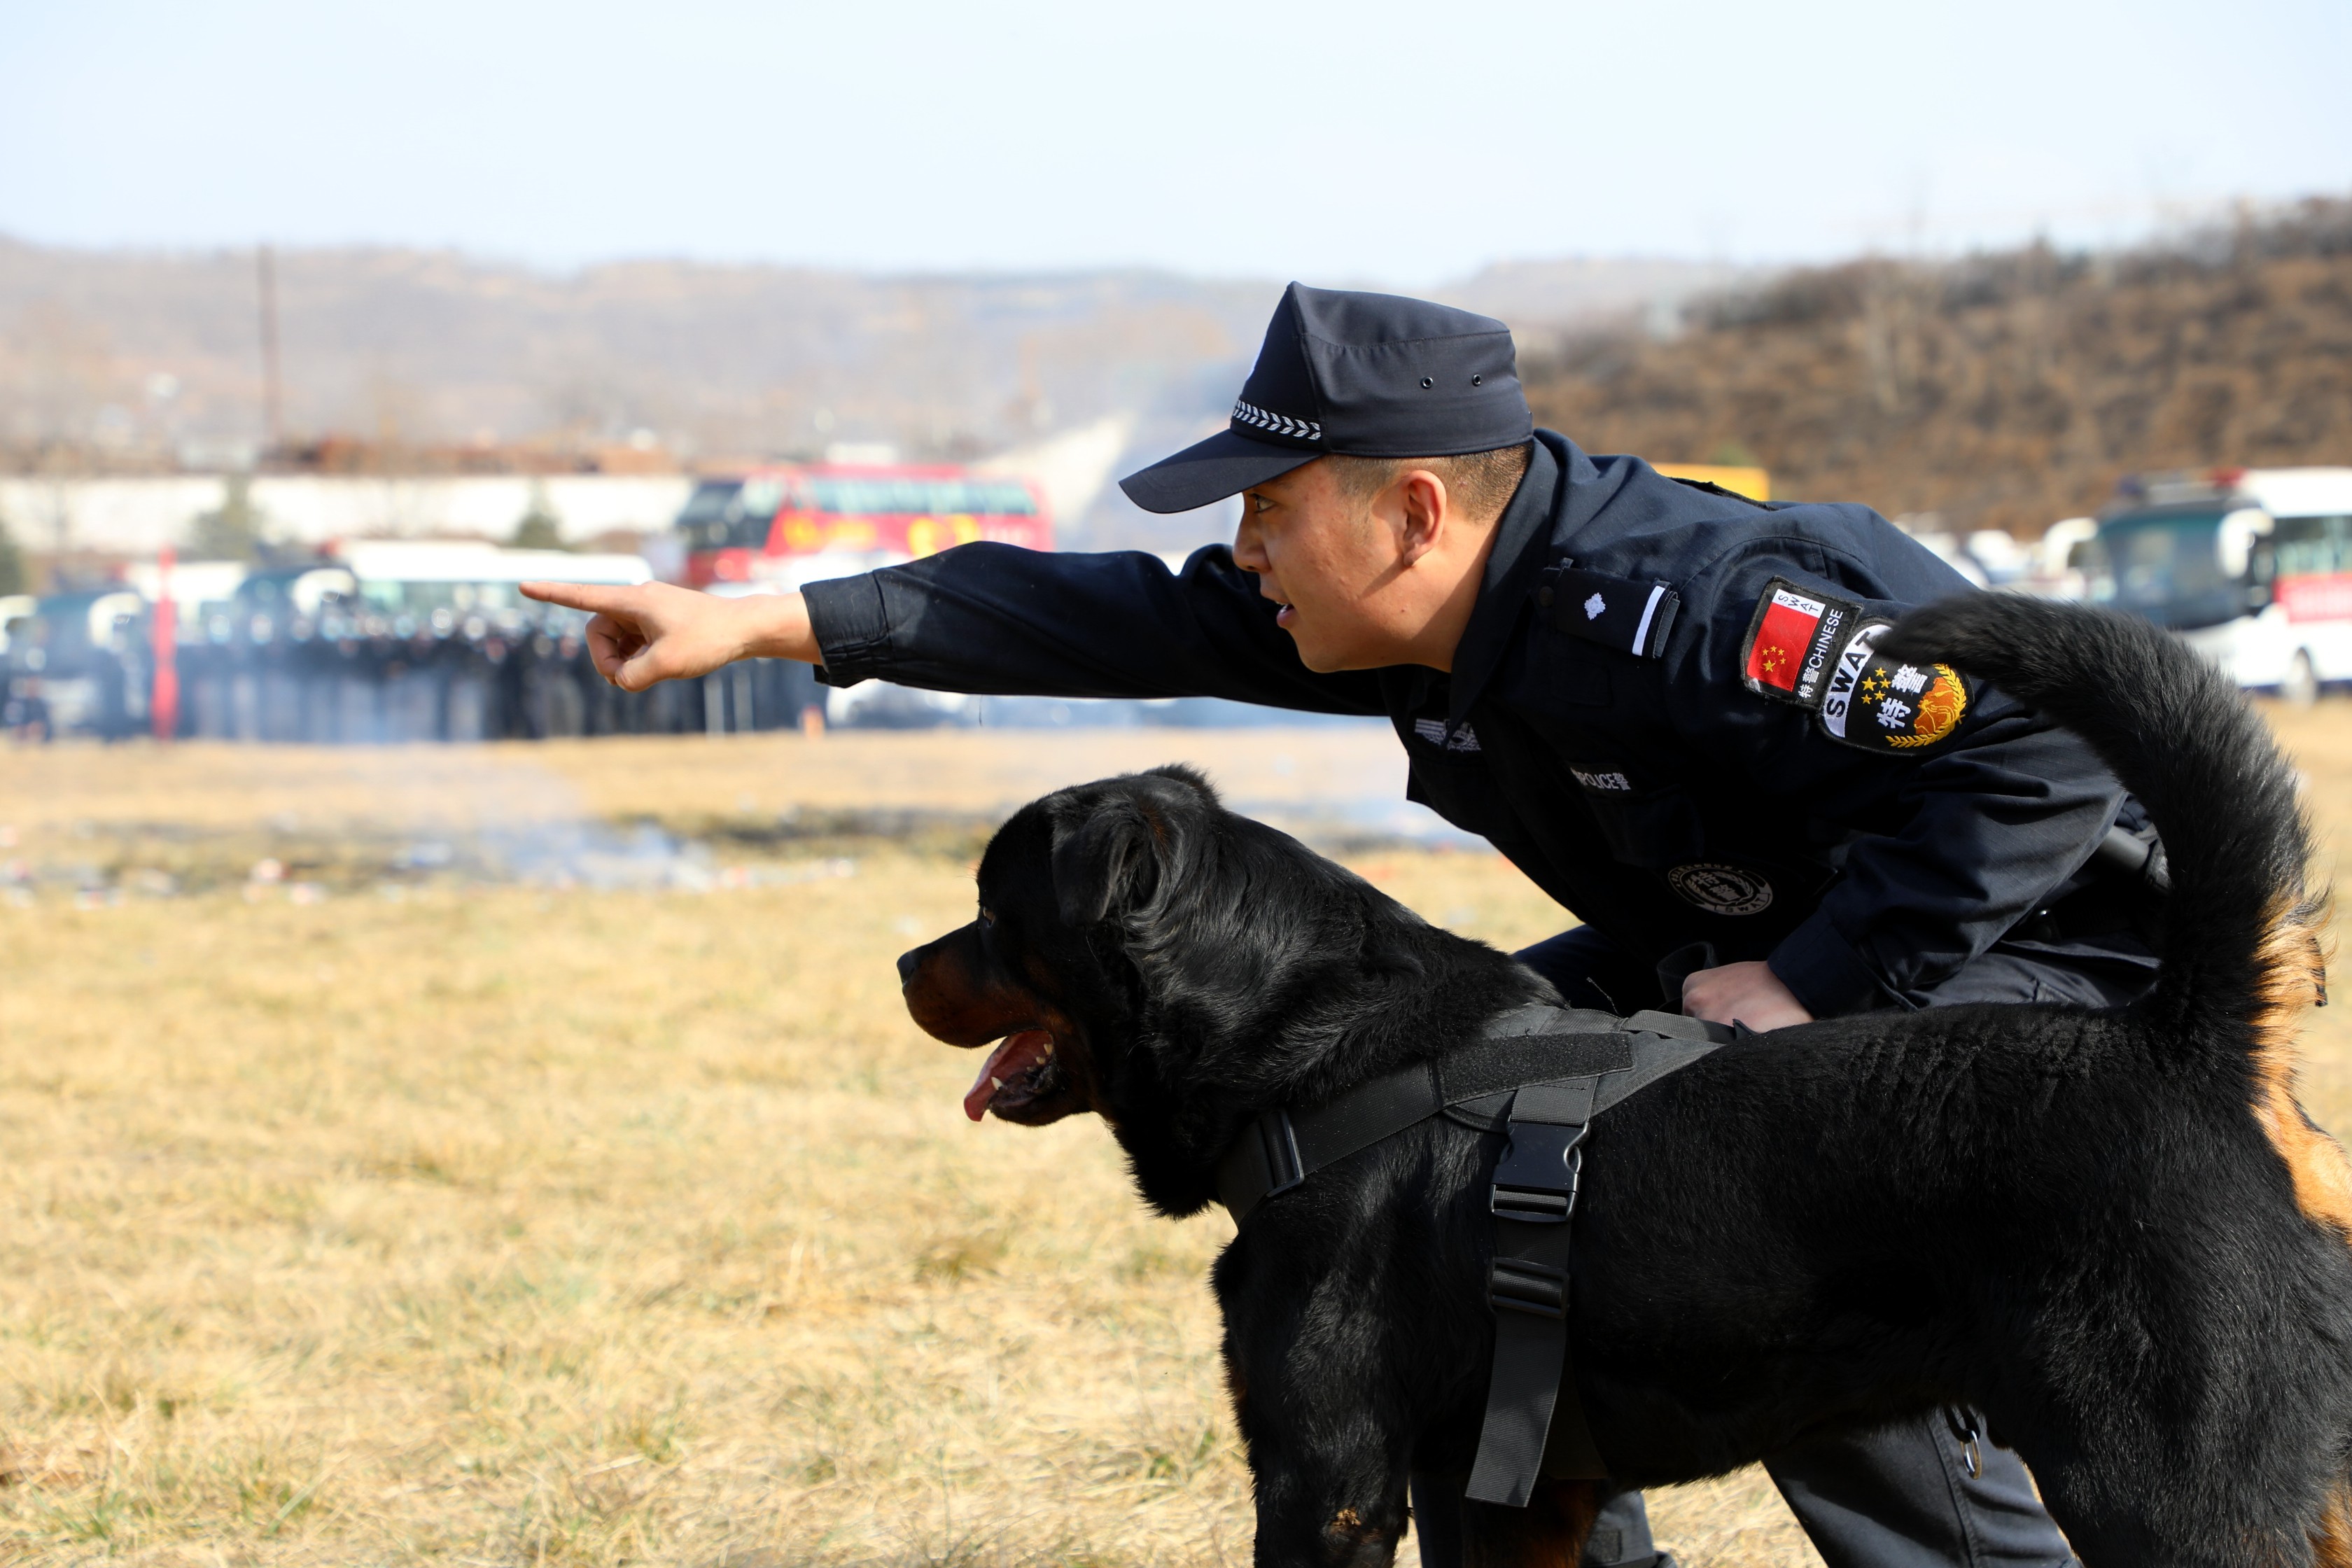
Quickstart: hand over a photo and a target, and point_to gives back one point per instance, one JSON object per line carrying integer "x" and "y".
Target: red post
{"x": 164, "y": 703}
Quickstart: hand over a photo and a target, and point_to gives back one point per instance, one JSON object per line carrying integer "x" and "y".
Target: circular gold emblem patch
{"x": 1721, "y": 890}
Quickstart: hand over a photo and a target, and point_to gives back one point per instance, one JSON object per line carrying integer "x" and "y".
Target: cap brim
{"x": 1223, "y": 465}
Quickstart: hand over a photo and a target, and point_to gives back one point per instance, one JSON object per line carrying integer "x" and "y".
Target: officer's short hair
{"x": 1480, "y": 483}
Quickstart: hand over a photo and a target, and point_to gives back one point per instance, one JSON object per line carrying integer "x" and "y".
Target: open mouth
{"x": 1020, "y": 1071}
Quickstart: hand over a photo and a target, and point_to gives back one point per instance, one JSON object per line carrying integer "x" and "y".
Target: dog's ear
{"x": 1114, "y": 854}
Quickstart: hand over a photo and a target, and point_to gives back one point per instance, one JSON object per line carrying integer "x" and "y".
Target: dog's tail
{"x": 2242, "y": 959}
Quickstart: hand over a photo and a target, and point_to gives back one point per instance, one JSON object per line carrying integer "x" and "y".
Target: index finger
{"x": 587, "y": 597}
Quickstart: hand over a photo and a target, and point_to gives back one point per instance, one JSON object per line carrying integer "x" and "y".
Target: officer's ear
{"x": 1425, "y": 511}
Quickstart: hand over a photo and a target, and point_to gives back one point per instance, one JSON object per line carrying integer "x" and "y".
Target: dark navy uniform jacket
{"x": 1657, "y": 796}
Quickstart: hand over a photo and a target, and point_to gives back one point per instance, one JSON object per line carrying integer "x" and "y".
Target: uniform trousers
{"x": 1916, "y": 1494}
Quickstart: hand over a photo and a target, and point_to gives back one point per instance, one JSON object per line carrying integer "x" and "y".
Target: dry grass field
{"x": 384, "y": 1208}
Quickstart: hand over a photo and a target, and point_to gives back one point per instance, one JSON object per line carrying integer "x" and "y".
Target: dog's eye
{"x": 987, "y": 915}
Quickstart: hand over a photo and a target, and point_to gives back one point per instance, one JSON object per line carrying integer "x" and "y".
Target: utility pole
{"x": 272, "y": 393}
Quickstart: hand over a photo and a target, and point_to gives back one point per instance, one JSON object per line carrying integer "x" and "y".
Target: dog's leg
{"x": 1303, "y": 1520}
{"x": 1548, "y": 1532}
{"x": 1331, "y": 1477}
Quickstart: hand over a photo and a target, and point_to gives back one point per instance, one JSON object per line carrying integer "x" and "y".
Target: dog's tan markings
{"x": 1350, "y": 1542}
{"x": 1040, "y": 972}
{"x": 1547, "y": 1533}
{"x": 2331, "y": 1544}
{"x": 2293, "y": 979}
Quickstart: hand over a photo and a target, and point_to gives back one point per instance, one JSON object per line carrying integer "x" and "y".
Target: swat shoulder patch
{"x": 1794, "y": 635}
{"x": 1882, "y": 705}
{"x": 1622, "y": 613}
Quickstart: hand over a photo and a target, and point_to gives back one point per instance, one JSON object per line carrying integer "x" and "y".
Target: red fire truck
{"x": 781, "y": 526}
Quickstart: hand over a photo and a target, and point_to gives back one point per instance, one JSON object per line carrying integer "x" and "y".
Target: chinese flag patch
{"x": 1791, "y": 641}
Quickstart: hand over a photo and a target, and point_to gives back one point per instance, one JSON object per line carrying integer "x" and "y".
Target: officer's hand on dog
{"x": 1748, "y": 993}
{"x": 657, "y": 632}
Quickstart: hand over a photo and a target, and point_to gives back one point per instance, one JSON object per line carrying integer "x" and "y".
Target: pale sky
{"x": 1360, "y": 141}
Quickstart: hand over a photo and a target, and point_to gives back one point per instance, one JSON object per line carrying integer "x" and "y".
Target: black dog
{"x": 2114, "y": 1232}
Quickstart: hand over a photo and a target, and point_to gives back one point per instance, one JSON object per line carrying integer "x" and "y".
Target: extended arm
{"x": 984, "y": 618}
{"x": 993, "y": 618}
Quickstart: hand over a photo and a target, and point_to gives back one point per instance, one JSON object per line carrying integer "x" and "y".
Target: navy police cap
{"x": 1371, "y": 375}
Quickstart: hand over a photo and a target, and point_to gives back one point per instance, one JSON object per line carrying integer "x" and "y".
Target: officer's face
{"x": 1324, "y": 557}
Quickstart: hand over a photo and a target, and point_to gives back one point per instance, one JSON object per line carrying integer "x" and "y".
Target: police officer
{"x": 1658, "y": 699}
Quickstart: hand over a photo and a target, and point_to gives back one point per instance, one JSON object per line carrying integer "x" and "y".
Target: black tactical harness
{"x": 1541, "y": 1074}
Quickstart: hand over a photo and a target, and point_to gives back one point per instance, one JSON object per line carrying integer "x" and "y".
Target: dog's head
{"x": 1038, "y": 976}
{"x": 1143, "y": 954}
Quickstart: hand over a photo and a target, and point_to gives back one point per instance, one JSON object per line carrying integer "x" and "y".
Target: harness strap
{"x": 1533, "y": 1194}
{"x": 1545, "y": 1072}
{"x": 1284, "y": 1147}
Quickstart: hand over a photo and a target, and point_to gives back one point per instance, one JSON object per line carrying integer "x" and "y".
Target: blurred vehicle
{"x": 778, "y": 528}
{"x": 196, "y": 586}
{"x": 441, "y": 586}
{"x": 797, "y": 524}
{"x": 2252, "y": 567}
{"x": 2057, "y": 564}
{"x": 74, "y": 663}
{"x": 1944, "y": 545}
{"x": 1752, "y": 482}
{"x": 14, "y": 607}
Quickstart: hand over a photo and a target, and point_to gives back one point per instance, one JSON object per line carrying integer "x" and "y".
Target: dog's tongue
{"x": 1013, "y": 1055}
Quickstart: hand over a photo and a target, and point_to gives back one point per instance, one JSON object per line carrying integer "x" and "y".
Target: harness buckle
{"x": 1516, "y": 1285}
{"x": 1536, "y": 1179}
{"x": 1277, "y": 1143}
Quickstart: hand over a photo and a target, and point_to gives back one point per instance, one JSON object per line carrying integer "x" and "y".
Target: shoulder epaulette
{"x": 1623, "y": 613}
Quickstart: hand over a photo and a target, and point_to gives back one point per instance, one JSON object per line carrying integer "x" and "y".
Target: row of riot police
{"x": 359, "y": 679}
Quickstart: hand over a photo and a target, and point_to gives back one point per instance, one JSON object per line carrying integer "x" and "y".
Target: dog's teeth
{"x": 995, "y": 1082}
{"x": 1048, "y": 1050}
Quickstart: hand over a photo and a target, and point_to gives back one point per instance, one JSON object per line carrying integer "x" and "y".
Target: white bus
{"x": 2252, "y": 567}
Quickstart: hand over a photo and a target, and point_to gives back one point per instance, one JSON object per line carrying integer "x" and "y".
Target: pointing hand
{"x": 658, "y": 632}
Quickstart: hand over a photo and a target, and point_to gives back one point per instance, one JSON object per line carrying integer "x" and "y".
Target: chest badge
{"x": 1721, "y": 890}
{"x": 1792, "y": 639}
{"x": 1884, "y": 705}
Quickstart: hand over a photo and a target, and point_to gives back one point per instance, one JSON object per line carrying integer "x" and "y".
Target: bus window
{"x": 2168, "y": 569}
{"x": 896, "y": 496}
{"x": 2313, "y": 546}
{"x": 729, "y": 514}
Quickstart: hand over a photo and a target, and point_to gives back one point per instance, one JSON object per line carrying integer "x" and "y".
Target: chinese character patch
{"x": 1791, "y": 643}
{"x": 1883, "y": 705}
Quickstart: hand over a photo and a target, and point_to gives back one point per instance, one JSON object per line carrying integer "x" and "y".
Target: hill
{"x": 2002, "y": 391}
{"x": 130, "y": 360}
